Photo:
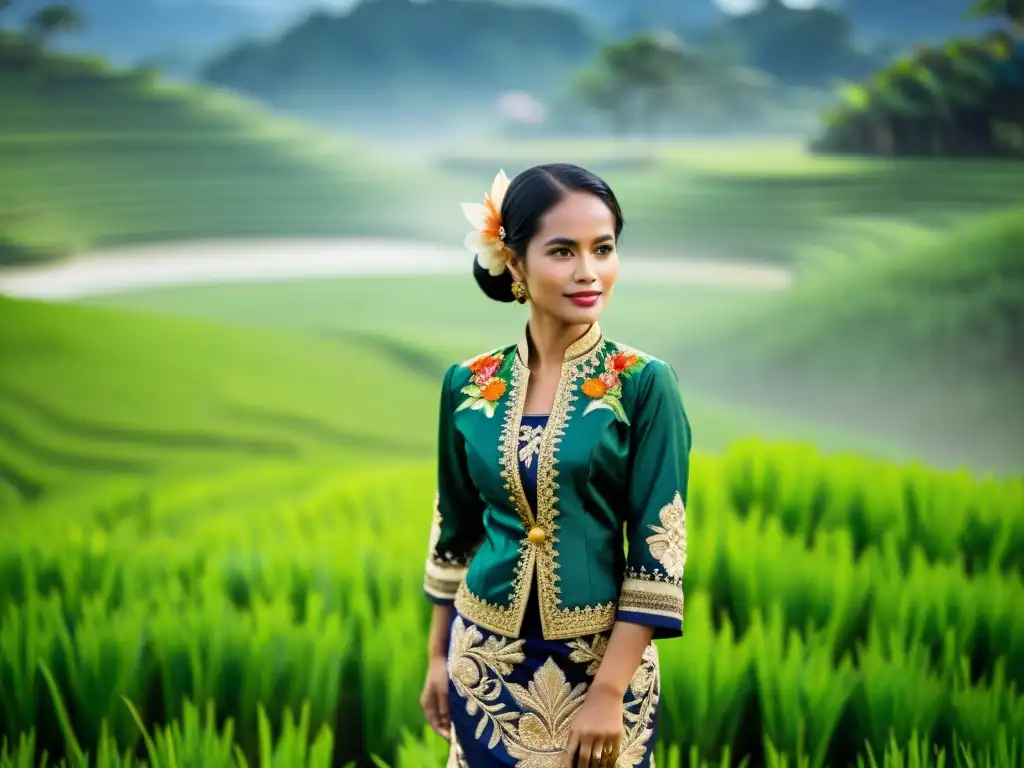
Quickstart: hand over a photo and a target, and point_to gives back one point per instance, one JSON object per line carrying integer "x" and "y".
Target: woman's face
{"x": 571, "y": 263}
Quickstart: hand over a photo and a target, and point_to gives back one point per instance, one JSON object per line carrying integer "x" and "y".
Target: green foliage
{"x": 961, "y": 98}
{"x": 1013, "y": 10}
{"x": 762, "y": 71}
{"x": 832, "y": 603}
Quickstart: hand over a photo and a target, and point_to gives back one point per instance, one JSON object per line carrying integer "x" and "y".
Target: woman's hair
{"x": 531, "y": 194}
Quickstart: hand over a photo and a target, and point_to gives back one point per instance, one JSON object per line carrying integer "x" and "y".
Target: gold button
{"x": 536, "y": 535}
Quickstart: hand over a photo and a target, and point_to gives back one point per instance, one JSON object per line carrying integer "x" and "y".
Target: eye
{"x": 561, "y": 252}
{"x": 604, "y": 250}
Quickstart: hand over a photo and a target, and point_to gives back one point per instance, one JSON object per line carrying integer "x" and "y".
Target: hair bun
{"x": 497, "y": 287}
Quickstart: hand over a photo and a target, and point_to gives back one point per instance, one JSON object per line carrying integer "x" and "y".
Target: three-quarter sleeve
{"x": 457, "y": 527}
{"x": 652, "y": 586}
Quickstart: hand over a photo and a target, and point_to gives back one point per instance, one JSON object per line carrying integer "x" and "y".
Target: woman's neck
{"x": 549, "y": 338}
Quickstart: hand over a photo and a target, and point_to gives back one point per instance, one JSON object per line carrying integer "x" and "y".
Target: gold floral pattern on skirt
{"x": 520, "y": 701}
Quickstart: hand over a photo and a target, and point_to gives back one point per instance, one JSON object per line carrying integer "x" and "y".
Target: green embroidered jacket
{"x": 607, "y": 539}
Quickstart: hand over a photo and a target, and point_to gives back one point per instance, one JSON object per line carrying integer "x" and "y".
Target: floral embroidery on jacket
{"x": 668, "y": 543}
{"x": 605, "y": 389}
{"x": 486, "y": 388}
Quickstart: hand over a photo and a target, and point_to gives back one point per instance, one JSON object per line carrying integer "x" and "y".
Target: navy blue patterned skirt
{"x": 512, "y": 702}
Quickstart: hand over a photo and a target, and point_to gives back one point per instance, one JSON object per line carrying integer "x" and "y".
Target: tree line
{"x": 961, "y": 97}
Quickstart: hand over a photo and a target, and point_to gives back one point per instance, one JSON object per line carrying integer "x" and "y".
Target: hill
{"x": 87, "y": 394}
{"x": 93, "y": 155}
{"x": 926, "y": 342}
{"x": 408, "y": 63}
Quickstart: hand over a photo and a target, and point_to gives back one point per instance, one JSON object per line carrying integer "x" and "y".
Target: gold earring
{"x": 519, "y": 291}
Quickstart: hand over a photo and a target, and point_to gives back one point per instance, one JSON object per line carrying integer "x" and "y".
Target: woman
{"x": 541, "y": 643}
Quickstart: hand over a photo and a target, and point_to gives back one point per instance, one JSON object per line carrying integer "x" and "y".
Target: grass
{"x": 928, "y": 343}
{"x": 831, "y": 603}
{"x": 90, "y": 393}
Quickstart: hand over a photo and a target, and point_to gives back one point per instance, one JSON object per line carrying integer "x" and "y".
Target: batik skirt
{"x": 512, "y": 702}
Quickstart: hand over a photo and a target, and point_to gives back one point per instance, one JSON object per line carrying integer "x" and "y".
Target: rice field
{"x": 94, "y": 157}
{"x": 91, "y": 394}
{"x": 832, "y": 604}
{"x": 767, "y": 200}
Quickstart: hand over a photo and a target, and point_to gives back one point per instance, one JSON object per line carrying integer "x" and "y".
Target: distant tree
{"x": 801, "y": 47}
{"x": 727, "y": 92}
{"x": 1012, "y": 10}
{"x": 960, "y": 98}
{"x": 601, "y": 92}
{"x": 640, "y": 77}
{"x": 657, "y": 66}
{"x": 50, "y": 21}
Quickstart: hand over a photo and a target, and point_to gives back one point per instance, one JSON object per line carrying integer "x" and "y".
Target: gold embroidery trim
{"x": 581, "y": 359}
{"x": 506, "y": 620}
{"x": 560, "y": 623}
{"x": 441, "y": 589}
{"x": 496, "y": 618}
{"x": 644, "y": 600}
{"x": 509, "y": 443}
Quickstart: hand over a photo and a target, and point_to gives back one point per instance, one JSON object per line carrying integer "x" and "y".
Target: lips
{"x": 585, "y": 298}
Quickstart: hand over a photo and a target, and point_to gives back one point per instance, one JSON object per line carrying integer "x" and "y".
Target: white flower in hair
{"x": 487, "y": 241}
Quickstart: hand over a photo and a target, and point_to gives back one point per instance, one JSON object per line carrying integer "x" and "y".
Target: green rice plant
{"x": 898, "y": 691}
{"x": 801, "y": 691}
{"x": 707, "y": 679}
{"x": 196, "y": 739}
{"x": 987, "y": 712}
{"x": 919, "y": 752}
{"x": 276, "y": 589}
{"x": 949, "y": 516}
{"x": 671, "y": 756}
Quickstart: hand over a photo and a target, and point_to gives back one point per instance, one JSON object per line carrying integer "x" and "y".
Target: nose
{"x": 585, "y": 272}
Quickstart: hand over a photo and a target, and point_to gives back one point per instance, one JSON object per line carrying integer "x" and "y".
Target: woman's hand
{"x": 596, "y": 734}
{"x": 434, "y": 699}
